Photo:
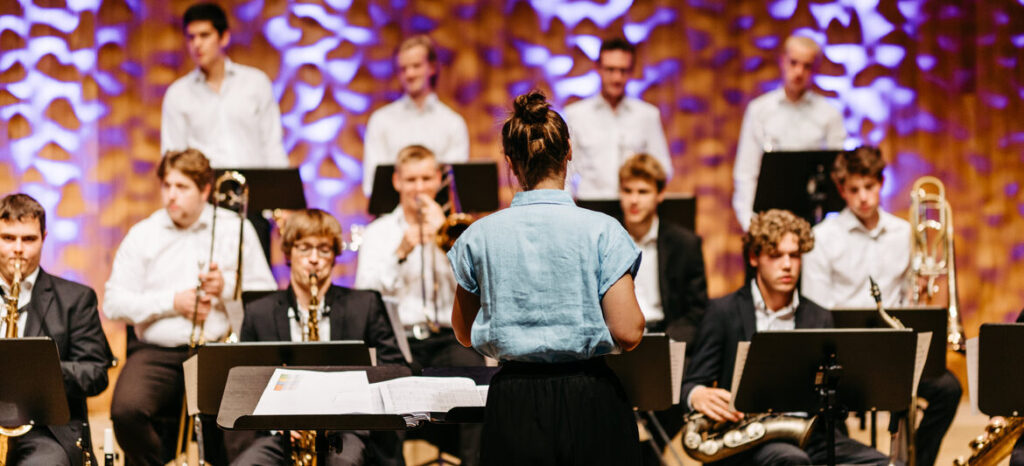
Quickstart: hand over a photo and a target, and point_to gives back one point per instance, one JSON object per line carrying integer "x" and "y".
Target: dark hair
{"x": 306, "y": 223}
{"x": 20, "y": 207}
{"x": 422, "y": 40}
{"x": 191, "y": 163}
{"x": 863, "y": 161}
{"x": 206, "y": 12}
{"x": 617, "y": 43}
{"x": 536, "y": 139}
{"x": 643, "y": 167}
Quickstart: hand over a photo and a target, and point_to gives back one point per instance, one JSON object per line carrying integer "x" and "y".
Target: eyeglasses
{"x": 323, "y": 250}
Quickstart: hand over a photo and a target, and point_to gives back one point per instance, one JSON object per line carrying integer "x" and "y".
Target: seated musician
{"x": 153, "y": 286}
{"x": 311, "y": 240}
{"x": 773, "y": 246}
{"x": 865, "y": 239}
{"x": 62, "y": 310}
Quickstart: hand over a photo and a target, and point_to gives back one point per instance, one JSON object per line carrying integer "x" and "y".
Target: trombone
{"x": 236, "y": 196}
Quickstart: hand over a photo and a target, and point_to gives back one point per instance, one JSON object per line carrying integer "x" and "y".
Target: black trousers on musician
{"x": 275, "y": 449}
{"x": 943, "y": 396}
{"x": 1017, "y": 455}
{"x": 38, "y": 446}
{"x": 558, "y": 414}
{"x": 147, "y": 404}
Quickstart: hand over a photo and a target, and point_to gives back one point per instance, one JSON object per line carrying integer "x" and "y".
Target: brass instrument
{"x": 995, "y": 444}
{"x": 706, "y": 440}
{"x": 304, "y": 447}
{"x": 932, "y": 254}
{"x": 455, "y": 222}
{"x": 11, "y": 318}
{"x": 901, "y": 446}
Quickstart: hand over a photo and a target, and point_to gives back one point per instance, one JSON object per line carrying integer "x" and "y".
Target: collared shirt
{"x": 604, "y": 138}
{"x": 647, "y": 283}
{"x": 845, "y": 253}
{"x": 399, "y": 283}
{"x": 24, "y": 297}
{"x": 774, "y": 123}
{"x": 298, "y": 324}
{"x": 238, "y": 127}
{"x": 157, "y": 259}
{"x": 541, "y": 268}
{"x": 402, "y": 123}
{"x": 767, "y": 319}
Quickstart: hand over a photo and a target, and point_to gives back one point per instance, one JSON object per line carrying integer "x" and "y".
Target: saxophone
{"x": 11, "y": 319}
{"x": 995, "y": 444}
{"x": 902, "y": 444}
{"x": 706, "y": 440}
{"x": 304, "y": 447}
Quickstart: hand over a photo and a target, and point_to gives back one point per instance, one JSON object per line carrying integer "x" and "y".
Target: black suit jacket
{"x": 66, "y": 312}
{"x": 355, "y": 315}
{"x": 683, "y": 286}
{"x": 730, "y": 320}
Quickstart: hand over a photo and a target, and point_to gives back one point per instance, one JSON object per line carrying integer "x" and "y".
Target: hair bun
{"x": 532, "y": 107}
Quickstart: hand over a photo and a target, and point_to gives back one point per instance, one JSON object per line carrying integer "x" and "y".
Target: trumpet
{"x": 11, "y": 319}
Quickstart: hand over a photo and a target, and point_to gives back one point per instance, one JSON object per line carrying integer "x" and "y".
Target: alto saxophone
{"x": 902, "y": 444}
{"x": 995, "y": 444}
{"x": 11, "y": 319}
{"x": 304, "y": 447}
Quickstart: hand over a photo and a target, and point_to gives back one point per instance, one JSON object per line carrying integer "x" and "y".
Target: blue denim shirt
{"x": 541, "y": 268}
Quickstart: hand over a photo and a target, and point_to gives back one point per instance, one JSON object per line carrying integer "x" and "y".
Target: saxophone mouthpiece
{"x": 875, "y": 291}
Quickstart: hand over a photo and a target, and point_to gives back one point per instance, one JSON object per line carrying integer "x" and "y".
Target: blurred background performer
{"x": 153, "y": 286}
{"x": 418, "y": 117}
{"x": 866, "y": 240}
{"x": 792, "y": 118}
{"x": 311, "y": 240}
{"x": 399, "y": 258}
{"x": 546, "y": 288}
{"x": 610, "y": 127}
{"x": 65, "y": 312}
{"x": 774, "y": 246}
{"x": 224, "y": 109}
{"x": 670, "y": 284}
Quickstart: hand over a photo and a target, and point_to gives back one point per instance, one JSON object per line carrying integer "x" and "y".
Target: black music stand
{"x": 799, "y": 182}
{"x": 920, "y": 319}
{"x": 270, "y": 189}
{"x": 37, "y": 396}
{"x": 1001, "y": 369}
{"x": 827, "y": 371}
{"x": 476, "y": 186}
{"x": 678, "y": 209}
{"x": 245, "y": 385}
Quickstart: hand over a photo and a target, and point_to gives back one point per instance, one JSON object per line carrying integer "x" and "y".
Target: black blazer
{"x": 730, "y": 320}
{"x": 683, "y": 286}
{"x": 355, "y": 315}
{"x": 66, "y": 312}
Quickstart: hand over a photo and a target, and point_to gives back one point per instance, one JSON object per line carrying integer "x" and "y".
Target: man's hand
{"x": 714, "y": 403}
{"x": 212, "y": 280}
{"x": 185, "y": 304}
{"x": 432, "y": 219}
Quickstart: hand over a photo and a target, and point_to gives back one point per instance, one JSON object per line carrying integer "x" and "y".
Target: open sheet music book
{"x": 295, "y": 392}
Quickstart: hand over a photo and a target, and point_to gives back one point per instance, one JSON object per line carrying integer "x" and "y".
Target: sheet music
{"x": 482, "y": 391}
{"x": 191, "y": 368}
{"x": 742, "y": 348}
{"x": 973, "y": 347}
{"x": 924, "y": 340}
{"x": 676, "y": 357}
{"x": 312, "y": 392}
{"x": 406, "y": 395}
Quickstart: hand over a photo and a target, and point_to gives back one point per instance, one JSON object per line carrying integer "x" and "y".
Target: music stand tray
{"x": 646, "y": 373}
{"x": 272, "y": 188}
{"x": 33, "y": 388}
{"x": 1001, "y": 369}
{"x": 785, "y": 180}
{"x": 921, "y": 319}
{"x": 476, "y": 185}
{"x": 678, "y": 209}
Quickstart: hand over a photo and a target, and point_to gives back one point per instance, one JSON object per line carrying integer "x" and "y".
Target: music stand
{"x": 799, "y": 182}
{"x": 827, "y": 371}
{"x": 36, "y": 396}
{"x": 1000, "y": 372}
{"x": 678, "y": 209}
{"x": 476, "y": 187}
{"x": 270, "y": 189}
{"x": 920, "y": 319}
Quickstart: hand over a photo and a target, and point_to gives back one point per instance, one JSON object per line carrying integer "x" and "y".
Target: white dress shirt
{"x": 401, "y": 123}
{"x": 603, "y": 139}
{"x": 24, "y": 297}
{"x": 157, "y": 259}
{"x": 298, "y": 324}
{"x": 774, "y": 123}
{"x": 648, "y": 286}
{"x": 238, "y": 127}
{"x": 845, "y": 253}
{"x": 399, "y": 283}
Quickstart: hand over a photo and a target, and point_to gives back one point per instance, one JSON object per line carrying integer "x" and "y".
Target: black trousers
{"x": 558, "y": 414}
{"x": 1017, "y": 455}
{"x": 943, "y": 396}
{"x": 848, "y": 451}
{"x": 147, "y": 404}
{"x": 267, "y": 450}
{"x": 38, "y": 446}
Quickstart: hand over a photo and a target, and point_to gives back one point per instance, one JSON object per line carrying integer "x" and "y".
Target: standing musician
{"x": 418, "y": 117}
{"x": 399, "y": 258}
{"x": 65, "y": 312}
{"x": 794, "y": 117}
{"x": 610, "y": 127}
{"x": 153, "y": 286}
{"x": 773, "y": 246}
{"x": 866, "y": 240}
{"x": 311, "y": 240}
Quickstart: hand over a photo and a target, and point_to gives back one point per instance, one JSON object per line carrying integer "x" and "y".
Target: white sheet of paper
{"x": 311, "y": 392}
{"x": 676, "y": 357}
{"x": 924, "y": 340}
{"x": 972, "y": 373}
{"x": 428, "y": 394}
{"x": 742, "y": 348}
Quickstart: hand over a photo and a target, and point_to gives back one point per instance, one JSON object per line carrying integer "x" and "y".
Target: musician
{"x": 311, "y": 240}
{"x": 153, "y": 286}
{"x": 224, "y": 109}
{"x": 1017, "y": 455}
{"x": 791, "y": 118}
{"x": 610, "y": 127}
{"x": 547, "y": 288}
{"x": 65, "y": 312}
{"x": 865, "y": 240}
{"x": 400, "y": 259}
{"x": 774, "y": 247}
{"x": 418, "y": 117}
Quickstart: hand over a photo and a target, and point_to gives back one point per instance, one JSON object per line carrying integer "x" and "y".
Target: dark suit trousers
{"x": 269, "y": 450}
{"x": 1017, "y": 455}
{"x": 38, "y": 446}
{"x": 943, "y": 396}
